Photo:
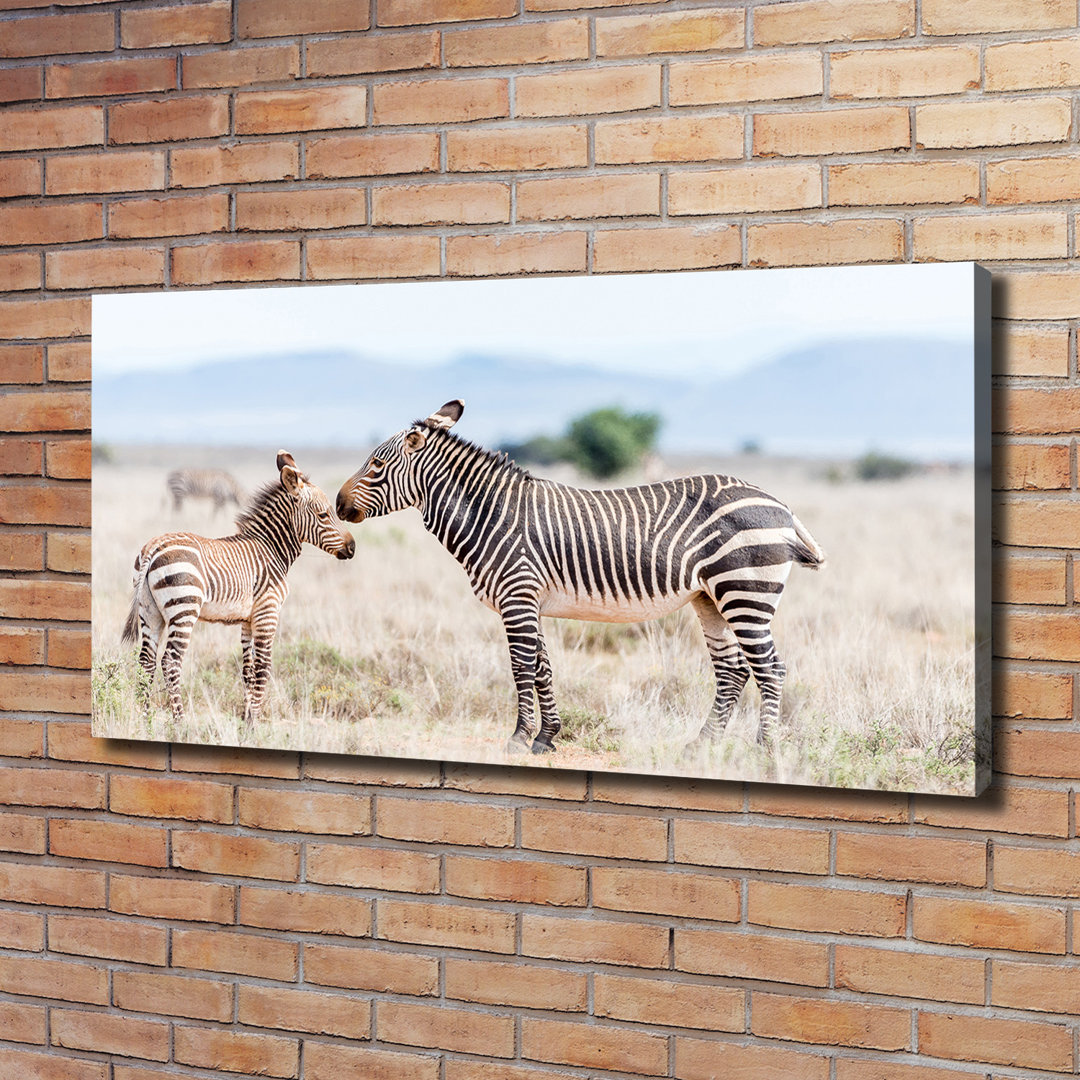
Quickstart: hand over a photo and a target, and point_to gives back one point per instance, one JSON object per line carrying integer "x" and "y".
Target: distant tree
{"x": 608, "y": 441}
{"x": 539, "y": 450}
{"x": 750, "y": 446}
{"x": 875, "y": 466}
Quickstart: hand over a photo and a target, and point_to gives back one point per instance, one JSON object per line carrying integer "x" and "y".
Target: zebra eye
{"x": 377, "y": 463}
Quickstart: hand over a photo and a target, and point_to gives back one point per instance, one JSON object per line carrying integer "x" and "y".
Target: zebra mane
{"x": 253, "y": 513}
{"x": 498, "y": 458}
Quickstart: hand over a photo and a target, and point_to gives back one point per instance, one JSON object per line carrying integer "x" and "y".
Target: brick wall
{"x": 187, "y": 913}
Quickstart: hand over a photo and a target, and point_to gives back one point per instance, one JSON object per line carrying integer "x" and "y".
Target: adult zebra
{"x": 181, "y": 578}
{"x": 532, "y": 547}
{"x": 215, "y": 484}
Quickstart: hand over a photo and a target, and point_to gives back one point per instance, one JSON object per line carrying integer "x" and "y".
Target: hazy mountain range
{"x": 891, "y": 394}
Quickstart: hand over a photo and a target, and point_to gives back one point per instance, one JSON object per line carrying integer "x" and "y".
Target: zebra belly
{"x": 232, "y": 609}
{"x": 569, "y": 605}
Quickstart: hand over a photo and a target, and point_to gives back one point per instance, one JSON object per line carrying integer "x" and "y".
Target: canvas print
{"x": 728, "y": 525}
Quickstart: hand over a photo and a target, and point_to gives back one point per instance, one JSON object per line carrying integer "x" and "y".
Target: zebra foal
{"x": 214, "y": 484}
{"x": 532, "y": 547}
{"x": 181, "y": 578}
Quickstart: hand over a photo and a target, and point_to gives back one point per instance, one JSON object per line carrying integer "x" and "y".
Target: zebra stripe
{"x": 215, "y": 484}
{"x": 533, "y": 547}
{"x": 181, "y": 578}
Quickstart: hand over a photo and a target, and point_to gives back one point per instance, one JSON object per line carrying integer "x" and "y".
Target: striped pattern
{"x": 181, "y": 578}
{"x": 532, "y": 548}
{"x": 214, "y": 484}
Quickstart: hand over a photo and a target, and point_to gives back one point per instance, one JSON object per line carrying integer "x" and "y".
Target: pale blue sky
{"x": 709, "y": 321}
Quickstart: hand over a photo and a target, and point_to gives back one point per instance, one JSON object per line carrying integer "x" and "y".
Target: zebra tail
{"x": 131, "y": 623}
{"x": 806, "y": 550}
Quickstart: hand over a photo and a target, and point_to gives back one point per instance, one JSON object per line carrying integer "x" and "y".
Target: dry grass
{"x": 391, "y": 654}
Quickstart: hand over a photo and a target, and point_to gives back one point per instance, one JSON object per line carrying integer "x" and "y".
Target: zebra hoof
{"x": 517, "y": 745}
{"x": 539, "y": 747}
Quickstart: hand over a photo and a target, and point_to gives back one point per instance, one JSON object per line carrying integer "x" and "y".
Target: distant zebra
{"x": 181, "y": 578}
{"x": 532, "y": 547}
{"x": 214, "y": 484}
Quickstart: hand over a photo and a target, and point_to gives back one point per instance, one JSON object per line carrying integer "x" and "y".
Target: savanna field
{"x": 391, "y": 654}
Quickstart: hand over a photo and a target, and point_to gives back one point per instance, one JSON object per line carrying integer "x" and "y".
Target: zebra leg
{"x": 729, "y": 666}
{"x": 521, "y": 620}
{"x": 754, "y": 636}
{"x": 247, "y": 672}
{"x": 172, "y": 658}
{"x": 263, "y": 629}
{"x": 549, "y": 714}
{"x": 149, "y": 637}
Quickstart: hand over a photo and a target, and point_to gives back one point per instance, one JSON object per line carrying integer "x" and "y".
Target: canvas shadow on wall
{"x": 573, "y": 541}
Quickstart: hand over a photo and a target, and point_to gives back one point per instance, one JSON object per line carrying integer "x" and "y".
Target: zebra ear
{"x": 448, "y": 415}
{"x": 284, "y": 458}
{"x": 292, "y": 480}
{"x": 414, "y": 440}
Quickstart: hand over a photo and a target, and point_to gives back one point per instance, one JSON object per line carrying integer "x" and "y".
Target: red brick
{"x": 1040, "y": 987}
{"x": 245, "y": 67}
{"x": 675, "y": 32}
{"x": 173, "y": 797}
{"x": 48, "y": 504}
{"x": 267, "y": 112}
{"x": 70, "y": 741}
{"x": 173, "y": 995}
{"x": 315, "y": 208}
{"x": 19, "y": 176}
{"x": 1036, "y": 871}
{"x": 108, "y": 841}
{"x": 699, "y": 1059}
{"x": 1039, "y": 580}
{"x": 106, "y": 78}
{"x": 305, "y": 811}
{"x": 373, "y": 155}
{"x": 521, "y": 253}
{"x": 990, "y": 925}
{"x": 49, "y": 35}
{"x": 996, "y": 1040}
{"x": 832, "y": 131}
{"x": 690, "y": 248}
{"x": 305, "y": 911}
{"x": 20, "y": 271}
{"x": 235, "y": 954}
{"x": 582, "y": 832}
{"x": 20, "y": 84}
{"x": 44, "y": 599}
{"x": 911, "y": 858}
{"x": 594, "y": 1046}
{"x": 453, "y": 926}
{"x": 29, "y": 1065}
{"x": 516, "y": 985}
{"x": 831, "y": 1023}
{"x": 76, "y": 174}
{"x": 713, "y": 843}
{"x": 244, "y": 163}
{"x": 26, "y": 835}
{"x": 1028, "y": 65}
{"x": 304, "y": 1010}
{"x": 111, "y": 939}
{"x": 21, "y": 319}
{"x": 676, "y": 138}
{"x": 440, "y": 101}
{"x": 918, "y": 975}
{"x": 185, "y": 215}
{"x": 49, "y": 128}
{"x": 899, "y": 183}
{"x": 593, "y": 940}
{"x": 22, "y": 1023}
{"x": 176, "y": 24}
{"x": 1031, "y": 467}
{"x": 242, "y": 260}
{"x": 742, "y": 955}
{"x": 21, "y": 738}
{"x": 377, "y": 970}
{"x": 891, "y": 73}
{"x": 373, "y": 257}
{"x": 665, "y": 892}
{"x": 1025, "y": 811}
{"x": 172, "y": 898}
{"x": 554, "y": 146}
{"x": 444, "y": 1028}
{"x": 410, "y": 12}
{"x": 45, "y": 223}
{"x": 239, "y": 856}
{"x": 239, "y": 761}
{"x": 21, "y": 551}
{"x": 833, "y": 20}
{"x": 102, "y": 268}
{"x": 1030, "y": 636}
{"x": 373, "y": 868}
{"x": 169, "y": 120}
{"x": 33, "y": 976}
{"x": 523, "y": 881}
{"x": 52, "y": 787}
{"x": 669, "y": 1004}
{"x": 825, "y": 243}
{"x": 1039, "y": 295}
{"x": 281, "y": 18}
{"x": 21, "y": 364}
{"x": 241, "y": 1052}
{"x": 441, "y": 204}
{"x": 1033, "y": 180}
{"x": 385, "y": 52}
{"x": 992, "y": 123}
{"x": 325, "y": 1061}
{"x": 997, "y": 236}
{"x": 745, "y": 190}
{"x": 1019, "y": 752}
{"x": 581, "y": 93}
{"x": 821, "y": 910}
{"x": 68, "y": 459}
{"x": 527, "y": 43}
